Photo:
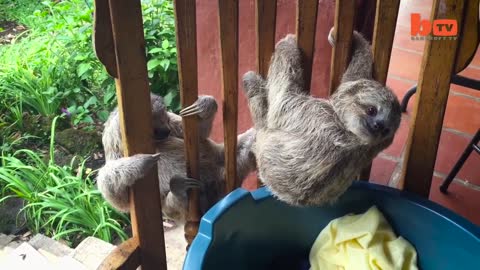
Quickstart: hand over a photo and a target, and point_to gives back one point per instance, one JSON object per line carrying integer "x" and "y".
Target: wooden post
{"x": 469, "y": 36}
{"x": 344, "y": 22}
{"x": 103, "y": 37}
{"x": 432, "y": 94}
{"x": 305, "y": 27}
{"x": 384, "y": 32}
{"x": 228, "y": 21}
{"x": 124, "y": 33}
{"x": 185, "y": 19}
{"x": 265, "y": 15}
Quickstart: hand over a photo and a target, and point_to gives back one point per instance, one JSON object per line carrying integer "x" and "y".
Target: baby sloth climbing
{"x": 309, "y": 150}
{"x": 119, "y": 173}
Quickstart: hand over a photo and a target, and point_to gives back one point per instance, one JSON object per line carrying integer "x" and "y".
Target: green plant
{"x": 159, "y": 25}
{"x": 54, "y": 66}
{"x": 61, "y": 202}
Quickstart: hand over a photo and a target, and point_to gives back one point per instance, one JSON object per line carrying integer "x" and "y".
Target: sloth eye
{"x": 372, "y": 111}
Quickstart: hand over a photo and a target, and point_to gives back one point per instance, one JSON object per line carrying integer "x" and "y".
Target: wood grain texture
{"x": 383, "y": 34}
{"x": 265, "y": 15}
{"x": 124, "y": 257}
{"x": 185, "y": 19}
{"x": 305, "y": 30}
{"x": 469, "y": 36}
{"x": 265, "y": 23}
{"x": 432, "y": 94}
{"x": 228, "y": 22}
{"x": 136, "y": 126}
{"x": 344, "y": 22}
{"x": 103, "y": 37}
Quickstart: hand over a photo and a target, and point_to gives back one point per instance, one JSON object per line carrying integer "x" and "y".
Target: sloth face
{"x": 369, "y": 110}
{"x": 161, "y": 121}
{"x": 378, "y": 121}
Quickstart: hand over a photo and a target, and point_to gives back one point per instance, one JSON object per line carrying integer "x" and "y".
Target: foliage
{"x": 60, "y": 201}
{"x": 49, "y": 70}
{"x": 52, "y": 68}
{"x": 159, "y": 25}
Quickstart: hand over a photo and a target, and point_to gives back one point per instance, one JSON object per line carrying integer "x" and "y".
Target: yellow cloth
{"x": 357, "y": 242}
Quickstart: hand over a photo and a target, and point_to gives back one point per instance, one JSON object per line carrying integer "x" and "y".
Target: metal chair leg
{"x": 456, "y": 79}
{"x": 407, "y": 97}
{"x": 470, "y": 147}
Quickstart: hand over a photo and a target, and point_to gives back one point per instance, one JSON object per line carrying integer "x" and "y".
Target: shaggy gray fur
{"x": 120, "y": 172}
{"x": 309, "y": 150}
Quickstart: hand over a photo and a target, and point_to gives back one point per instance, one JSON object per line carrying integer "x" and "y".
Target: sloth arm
{"x": 204, "y": 108}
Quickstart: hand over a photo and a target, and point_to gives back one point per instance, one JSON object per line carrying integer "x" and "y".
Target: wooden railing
{"x": 119, "y": 44}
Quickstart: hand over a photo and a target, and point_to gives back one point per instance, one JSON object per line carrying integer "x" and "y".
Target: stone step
{"x": 25, "y": 257}
{"x": 63, "y": 262}
{"x": 5, "y": 240}
{"x": 92, "y": 251}
{"x": 40, "y": 241}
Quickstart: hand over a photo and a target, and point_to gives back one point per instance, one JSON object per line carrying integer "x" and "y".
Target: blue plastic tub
{"x": 251, "y": 231}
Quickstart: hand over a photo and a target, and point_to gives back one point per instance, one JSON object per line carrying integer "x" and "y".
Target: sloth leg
{"x": 179, "y": 185}
{"x": 205, "y": 108}
{"x": 285, "y": 74}
{"x": 285, "y": 81}
{"x": 254, "y": 88}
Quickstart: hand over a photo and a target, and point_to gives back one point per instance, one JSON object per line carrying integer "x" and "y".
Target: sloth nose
{"x": 161, "y": 133}
{"x": 378, "y": 125}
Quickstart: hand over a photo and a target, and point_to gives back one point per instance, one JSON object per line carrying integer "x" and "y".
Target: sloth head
{"x": 161, "y": 121}
{"x": 368, "y": 109}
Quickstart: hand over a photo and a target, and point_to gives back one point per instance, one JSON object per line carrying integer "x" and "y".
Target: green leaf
{"x": 91, "y": 101}
{"x": 155, "y": 50}
{"x": 103, "y": 115}
{"x": 153, "y": 63}
{"x": 88, "y": 119}
{"x": 165, "y": 44}
{"x": 169, "y": 97}
{"x": 165, "y": 64}
{"x": 108, "y": 97}
{"x": 83, "y": 68}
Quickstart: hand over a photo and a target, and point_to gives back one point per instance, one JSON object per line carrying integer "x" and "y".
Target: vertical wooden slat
{"x": 103, "y": 37}
{"x": 185, "y": 19}
{"x": 432, "y": 94}
{"x": 228, "y": 21}
{"x": 384, "y": 32}
{"x": 469, "y": 36}
{"x": 265, "y": 16}
{"x": 305, "y": 27}
{"x": 135, "y": 121}
{"x": 344, "y": 22}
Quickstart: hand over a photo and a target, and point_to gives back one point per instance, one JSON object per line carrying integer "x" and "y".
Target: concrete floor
{"x": 175, "y": 247}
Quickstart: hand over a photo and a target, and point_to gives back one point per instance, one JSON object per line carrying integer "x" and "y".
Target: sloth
{"x": 309, "y": 150}
{"x": 120, "y": 173}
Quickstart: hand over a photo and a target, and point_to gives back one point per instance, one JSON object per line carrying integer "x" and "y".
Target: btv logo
{"x": 441, "y": 28}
